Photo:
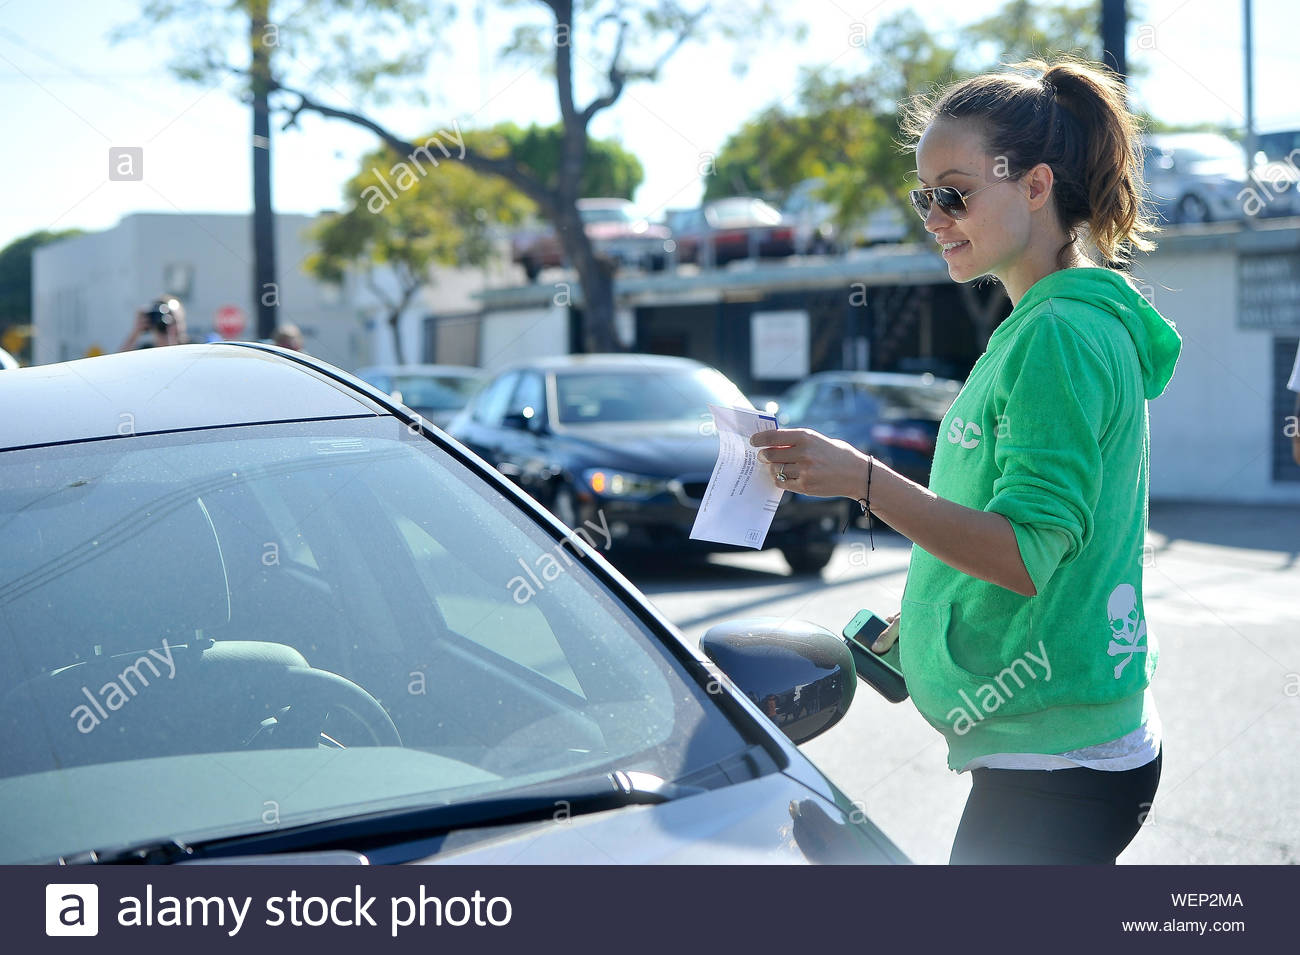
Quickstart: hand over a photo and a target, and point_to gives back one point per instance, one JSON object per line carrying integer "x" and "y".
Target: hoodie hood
{"x": 1157, "y": 342}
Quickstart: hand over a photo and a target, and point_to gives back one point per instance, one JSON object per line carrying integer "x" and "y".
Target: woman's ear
{"x": 1039, "y": 181}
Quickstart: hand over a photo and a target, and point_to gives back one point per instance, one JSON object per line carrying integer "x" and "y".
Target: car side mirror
{"x": 800, "y": 674}
{"x": 525, "y": 420}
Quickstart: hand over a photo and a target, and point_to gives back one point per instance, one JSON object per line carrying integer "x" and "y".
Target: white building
{"x": 86, "y": 290}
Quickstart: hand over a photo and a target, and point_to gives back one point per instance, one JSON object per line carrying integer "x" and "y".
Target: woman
{"x": 1021, "y": 631}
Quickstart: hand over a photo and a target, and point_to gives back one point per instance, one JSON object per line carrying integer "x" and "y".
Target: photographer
{"x": 163, "y": 321}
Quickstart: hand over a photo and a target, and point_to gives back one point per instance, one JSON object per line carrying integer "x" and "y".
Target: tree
{"x": 320, "y": 41}
{"x": 609, "y": 171}
{"x": 844, "y": 129}
{"x": 448, "y": 218}
{"x": 617, "y": 41}
{"x": 16, "y": 289}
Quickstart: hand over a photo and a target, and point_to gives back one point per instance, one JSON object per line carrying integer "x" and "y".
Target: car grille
{"x": 695, "y": 489}
{"x": 689, "y": 489}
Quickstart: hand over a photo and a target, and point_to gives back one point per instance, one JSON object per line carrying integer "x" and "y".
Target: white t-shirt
{"x": 1117, "y": 755}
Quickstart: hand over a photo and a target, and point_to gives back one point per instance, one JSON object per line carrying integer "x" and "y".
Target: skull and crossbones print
{"x": 1126, "y": 631}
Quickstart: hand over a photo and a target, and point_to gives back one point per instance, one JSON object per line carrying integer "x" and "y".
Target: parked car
{"x": 1203, "y": 177}
{"x": 892, "y": 415}
{"x": 725, "y": 230}
{"x": 626, "y": 441}
{"x": 1277, "y": 160}
{"x": 615, "y": 230}
{"x": 436, "y": 392}
{"x": 269, "y": 611}
{"x": 817, "y": 233}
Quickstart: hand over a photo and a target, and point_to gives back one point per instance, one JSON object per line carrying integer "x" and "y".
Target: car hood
{"x": 770, "y": 820}
{"x": 655, "y": 448}
{"x": 606, "y": 231}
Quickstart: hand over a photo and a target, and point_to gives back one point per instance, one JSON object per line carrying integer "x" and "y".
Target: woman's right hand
{"x": 887, "y": 636}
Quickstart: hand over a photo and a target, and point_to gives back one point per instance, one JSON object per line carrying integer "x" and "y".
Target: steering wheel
{"x": 314, "y": 696}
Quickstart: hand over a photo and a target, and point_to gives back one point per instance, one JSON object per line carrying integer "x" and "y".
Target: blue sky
{"x": 68, "y": 95}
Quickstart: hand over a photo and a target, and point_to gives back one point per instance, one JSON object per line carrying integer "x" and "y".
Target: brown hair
{"x": 1073, "y": 116}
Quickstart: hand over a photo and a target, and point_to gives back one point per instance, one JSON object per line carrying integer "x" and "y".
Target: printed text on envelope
{"x": 741, "y": 497}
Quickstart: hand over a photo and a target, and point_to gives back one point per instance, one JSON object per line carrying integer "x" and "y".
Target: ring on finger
{"x": 780, "y": 475}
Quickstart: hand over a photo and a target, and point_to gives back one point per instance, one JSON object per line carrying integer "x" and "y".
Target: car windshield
{"x": 435, "y": 393}
{"x": 224, "y": 631}
{"x": 809, "y": 399}
{"x": 648, "y": 394}
{"x": 737, "y": 213}
{"x": 606, "y": 214}
{"x": 1201, "y": 149}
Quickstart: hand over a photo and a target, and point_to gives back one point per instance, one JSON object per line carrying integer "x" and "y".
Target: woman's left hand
{"x": 812, "y": 463}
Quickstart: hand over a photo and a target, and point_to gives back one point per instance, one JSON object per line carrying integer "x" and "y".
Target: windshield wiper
{"x": 359, "y": 833}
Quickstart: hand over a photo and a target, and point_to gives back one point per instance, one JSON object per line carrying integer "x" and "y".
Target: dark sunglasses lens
{"x": 950, "y": 201}
{"x": 920, "y": 202}
{"x": 948, "y": 198}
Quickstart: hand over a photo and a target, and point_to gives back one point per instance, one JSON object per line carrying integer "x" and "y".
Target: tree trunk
{"x": 394, "y": 322}
{"x": 266, "y": 293}
{"x": 596, "y": 276}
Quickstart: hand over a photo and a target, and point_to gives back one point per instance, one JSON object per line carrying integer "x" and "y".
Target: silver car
{"x": 1202, "y": 177}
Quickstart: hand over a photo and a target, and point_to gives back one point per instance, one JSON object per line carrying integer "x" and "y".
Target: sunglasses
{"x": 950, "y": 200}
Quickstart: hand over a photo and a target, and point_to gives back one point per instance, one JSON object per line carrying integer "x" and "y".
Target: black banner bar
{"x": 627, "y": 910}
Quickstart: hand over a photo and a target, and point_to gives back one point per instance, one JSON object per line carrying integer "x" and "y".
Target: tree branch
{"x": 504, "y": 167}
{"x": 379, "y": 293}
{"x": 617, "y": 79}
{"x": 686, "y": 33}
{"x": 564, "y": 58}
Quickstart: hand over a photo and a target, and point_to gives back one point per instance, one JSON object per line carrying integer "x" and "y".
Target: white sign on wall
{"x": 778, "y": 345}
{"x": 509, "y": 336}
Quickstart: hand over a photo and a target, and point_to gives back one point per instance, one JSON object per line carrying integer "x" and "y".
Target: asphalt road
{"x": 1222, "y": 591}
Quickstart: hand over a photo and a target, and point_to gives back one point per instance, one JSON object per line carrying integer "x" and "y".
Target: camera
{"x": 160, "y": 316}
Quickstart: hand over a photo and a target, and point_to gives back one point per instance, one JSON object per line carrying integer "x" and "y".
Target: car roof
{"x": 463, "y": 370}
{"x": 883, "y": 378}
{"x": 176, "y": 388}
{"x": 617, "y": 361}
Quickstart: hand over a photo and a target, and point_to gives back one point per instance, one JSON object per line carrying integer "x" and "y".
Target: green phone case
{"x": 882, "y": 671}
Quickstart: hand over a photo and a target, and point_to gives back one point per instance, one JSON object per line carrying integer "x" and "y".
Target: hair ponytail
{"x": 1073, "y": 116}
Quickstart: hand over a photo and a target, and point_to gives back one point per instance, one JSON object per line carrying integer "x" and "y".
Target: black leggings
{"x": 1058, "y": 817}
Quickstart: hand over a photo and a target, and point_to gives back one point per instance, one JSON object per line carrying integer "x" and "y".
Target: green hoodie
{"x": 1051, "y": 432}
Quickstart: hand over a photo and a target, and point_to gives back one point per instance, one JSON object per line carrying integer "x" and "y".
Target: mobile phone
{"x": 881, "y": 670}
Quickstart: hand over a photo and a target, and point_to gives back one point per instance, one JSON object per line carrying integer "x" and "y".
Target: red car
{"x": 727, "y": 229}
{"x": 614, "y": 228}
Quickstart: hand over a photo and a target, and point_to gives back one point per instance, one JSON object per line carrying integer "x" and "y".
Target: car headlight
{"x": 621, "y": 484}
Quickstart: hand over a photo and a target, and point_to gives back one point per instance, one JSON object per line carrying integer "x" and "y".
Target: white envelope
{"x": 741, "y": 498}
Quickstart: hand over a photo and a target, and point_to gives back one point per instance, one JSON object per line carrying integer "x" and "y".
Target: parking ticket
{"x": 741, "y": 498}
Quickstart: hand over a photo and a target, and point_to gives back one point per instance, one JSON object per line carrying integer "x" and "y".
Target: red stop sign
{"x": 230, "y": 321}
